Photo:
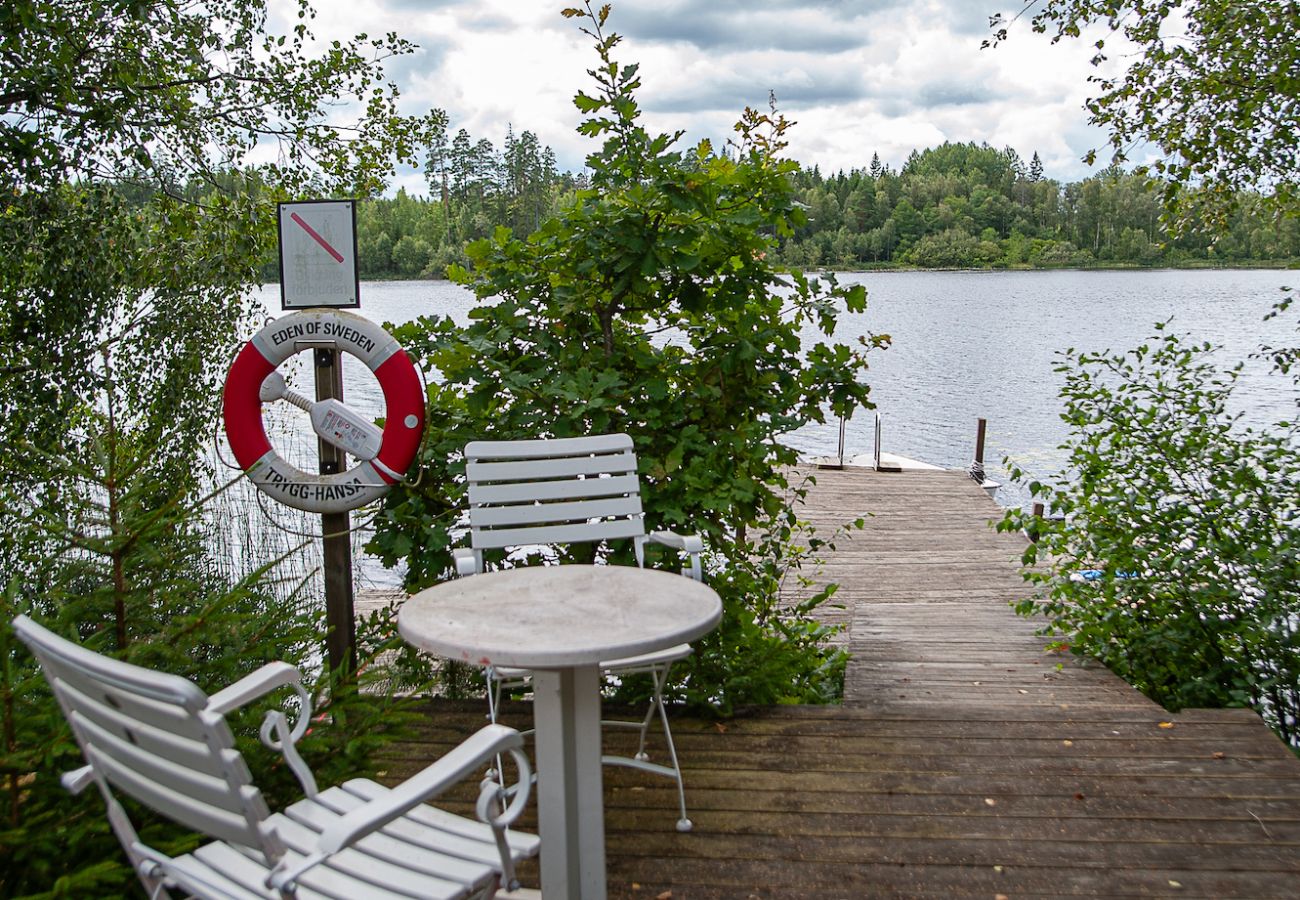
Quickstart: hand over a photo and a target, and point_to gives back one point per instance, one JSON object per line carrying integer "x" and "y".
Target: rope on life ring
{"x": 246, "y": 390}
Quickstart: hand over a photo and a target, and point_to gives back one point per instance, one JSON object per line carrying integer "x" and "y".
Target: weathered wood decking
{"x": 964, "y": 761}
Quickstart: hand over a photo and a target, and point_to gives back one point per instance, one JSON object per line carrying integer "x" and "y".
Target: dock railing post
{"x": 976, "y": 471}
{"x": 1032, "y": 534}
{"x": 876, "y": 452}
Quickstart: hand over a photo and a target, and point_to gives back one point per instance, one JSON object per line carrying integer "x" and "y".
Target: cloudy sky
{"x": 858, "y": 76}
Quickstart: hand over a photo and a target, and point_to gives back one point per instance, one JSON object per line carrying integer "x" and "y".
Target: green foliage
{"x": 963, "y": 205}
{"x": 767, "y": 650}
{"x": 648, "y": 306}
{"x": 1211, "y": 89}
{"x": 1191, "y": 521}
{"x": 128, "y": 240}
{"x": 102, "y": 89}
{"x": 971, "y": 206}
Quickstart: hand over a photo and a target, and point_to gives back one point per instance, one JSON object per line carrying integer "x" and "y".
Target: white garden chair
{"x": 161, "y": 741}
{"x": 563, "y": 491}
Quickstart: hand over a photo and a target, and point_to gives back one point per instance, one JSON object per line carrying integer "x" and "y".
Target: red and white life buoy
{"x": 403, "y": 410}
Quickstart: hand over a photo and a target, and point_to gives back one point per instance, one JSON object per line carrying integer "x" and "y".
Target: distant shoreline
{"x": 1191, "y": 265}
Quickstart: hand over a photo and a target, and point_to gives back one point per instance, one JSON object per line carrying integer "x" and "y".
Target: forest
{"x": 952, "y": 206}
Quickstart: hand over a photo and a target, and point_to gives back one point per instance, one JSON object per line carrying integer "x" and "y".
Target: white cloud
{"x": 859, "y": 77}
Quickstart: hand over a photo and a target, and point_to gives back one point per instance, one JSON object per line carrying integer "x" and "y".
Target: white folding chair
{"x": 158, "y": 739}
{"x": 564, "y": 491}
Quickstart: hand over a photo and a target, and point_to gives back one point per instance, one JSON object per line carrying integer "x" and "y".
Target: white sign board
{"x": 318, "y": 254}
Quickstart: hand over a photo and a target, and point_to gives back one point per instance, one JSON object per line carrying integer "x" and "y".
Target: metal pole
{"x": 877, "y": 447}
{"x": 341, "y": 643}
{"x": 841, "y": 440}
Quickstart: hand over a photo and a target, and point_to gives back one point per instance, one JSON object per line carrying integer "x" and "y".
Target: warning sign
{"x": 318, "y": 254}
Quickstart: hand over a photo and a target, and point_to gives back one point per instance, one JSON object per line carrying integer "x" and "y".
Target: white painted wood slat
{"x": 534, "y": 449}
{"x": 574, "y": 511}
{"x": 157, "y": 713}
{"x": 416, "y": 829}
{"x": 322, "y": 882}
{"x": 85, "y": 667}
{"x": 567, "y": 489}
{"x": 213, "y": 790}
{"x": 204, "y": 817}
{"x": 543, "y": 469}
{"x": 372, "y": 869}
{"x": 556, "y": 534}
{"x": 191, "y": 867}
{"x": 521, "y": 844}
{"x": 385, "y": 845}
{"x": 193, "y": 754}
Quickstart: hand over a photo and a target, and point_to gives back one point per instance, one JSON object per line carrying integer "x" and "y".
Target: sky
{"x": 857, "y": 76}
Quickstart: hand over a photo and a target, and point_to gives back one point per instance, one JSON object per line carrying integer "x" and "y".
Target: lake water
{"x": 968, "y": 345}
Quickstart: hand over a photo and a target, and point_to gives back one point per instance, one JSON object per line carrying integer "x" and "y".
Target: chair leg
{"x": 494, "y": 704}
{"x": 645, "y": 723}
{"x": 683, "y": 824}
{"x": 493, "y": 693}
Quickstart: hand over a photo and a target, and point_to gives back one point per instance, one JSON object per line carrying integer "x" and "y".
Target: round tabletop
{"x": 551, "y": 617}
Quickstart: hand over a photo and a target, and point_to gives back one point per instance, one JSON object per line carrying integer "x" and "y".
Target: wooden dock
{"x": 965, "y": 760}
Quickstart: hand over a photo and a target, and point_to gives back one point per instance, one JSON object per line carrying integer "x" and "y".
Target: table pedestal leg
{"x": 570, "y": 809}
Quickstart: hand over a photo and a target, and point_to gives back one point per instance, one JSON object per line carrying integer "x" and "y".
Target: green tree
{"x": 569, "y": 339}
{"x": 1212, "y": 87}
{"x": 1035, "y": 168}
{"x": 130, "y": 231}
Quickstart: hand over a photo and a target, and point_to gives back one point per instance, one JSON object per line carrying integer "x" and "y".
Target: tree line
{"x": 958, "y": 205}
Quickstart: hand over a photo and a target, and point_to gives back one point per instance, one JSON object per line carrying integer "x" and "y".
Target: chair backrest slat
{"x": 181, "y": 750}
{"x": 557, "y": 534}
{"x": 557, "y": 513}
{"x": 564, "y": 490}
{"x": 212, "y": 790}
{"x": 543, "y": 491}
{"x": 131, "y": 703}
{"x": 549, "y": 448}
{"x": 557, "y": 467}
{"x": 192, "y": 813}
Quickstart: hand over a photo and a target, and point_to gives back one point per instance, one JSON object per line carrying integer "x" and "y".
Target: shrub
{"x": 650, "y": 306}
{"x": 1192, "y": 522}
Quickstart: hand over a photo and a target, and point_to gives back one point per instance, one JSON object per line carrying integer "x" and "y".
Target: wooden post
{"x": 1038, "y": 516}
{"x": 979, "y": 441}
{"x": 341, "y": 643}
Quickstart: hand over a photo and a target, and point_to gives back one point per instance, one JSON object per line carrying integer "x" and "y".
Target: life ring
{"x": 403, "y": 410}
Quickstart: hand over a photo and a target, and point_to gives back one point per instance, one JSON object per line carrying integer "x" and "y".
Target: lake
{"x": 968, "y": 345}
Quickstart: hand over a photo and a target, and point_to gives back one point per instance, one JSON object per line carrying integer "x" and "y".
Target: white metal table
{"x": 562, "y": 622}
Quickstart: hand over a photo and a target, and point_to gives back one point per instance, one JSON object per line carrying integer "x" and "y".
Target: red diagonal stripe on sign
{"x": 316, "y": 237}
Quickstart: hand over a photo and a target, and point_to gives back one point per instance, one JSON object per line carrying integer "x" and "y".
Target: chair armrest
{"x": 466, "y": 561}
{"x": 250, "y": 687}
{"x": 691, "y": 544}
{"x": 275, "y": 733}
{"x": 469, "y": 757}
{"x": 482, "y": 747}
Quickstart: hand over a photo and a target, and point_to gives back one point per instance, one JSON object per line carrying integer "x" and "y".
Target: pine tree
{"x": 1035, "y": 168}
